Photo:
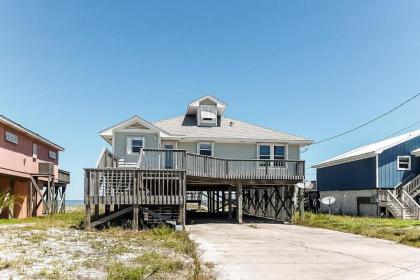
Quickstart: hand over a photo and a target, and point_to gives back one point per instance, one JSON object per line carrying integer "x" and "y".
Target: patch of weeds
{"x": 118, "y": 271}
{"x": 5, "y": 265}
{"x": 15, "y": 264}
{"x": 118, "y": 249}
{"x": 143, "y": 267}
{"x": 74, "y": 219}
{"x": 50, "y": 275}
{"x": 252, "y": 226}
{"x": 154, "y": 262}
{"x": 402, "y": 231}
{"x": 36, "y": 238}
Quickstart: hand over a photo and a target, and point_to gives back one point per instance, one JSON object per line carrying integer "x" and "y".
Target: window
{"x": 134, "y": 145}
{"x": 52, "y": 154}
{"x": 272, "y": 152}
{"x": 265, "y": 151}
{"x": 205, "y": 149}
{"x": 208, "y": 114}
{"x": 10, "y": 137}
{"x": 278, "y": 155}
{"x": 278, "y": 152}
{"x": 404, "y": 162}
{"x": 34, "y": 150}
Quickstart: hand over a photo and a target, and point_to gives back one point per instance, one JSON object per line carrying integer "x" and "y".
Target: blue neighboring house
{"x": 379, "y": 178}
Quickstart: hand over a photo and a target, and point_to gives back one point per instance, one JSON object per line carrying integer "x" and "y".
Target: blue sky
{"x": 311, "y": 68}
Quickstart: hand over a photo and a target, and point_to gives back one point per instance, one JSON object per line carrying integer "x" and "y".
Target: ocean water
{"x": 72, "y": 202}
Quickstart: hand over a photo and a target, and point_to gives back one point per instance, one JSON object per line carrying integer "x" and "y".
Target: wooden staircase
{"x": 401, "y": 204}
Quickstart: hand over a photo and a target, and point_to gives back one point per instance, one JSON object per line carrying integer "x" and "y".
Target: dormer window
{"x": 207, "y": 115}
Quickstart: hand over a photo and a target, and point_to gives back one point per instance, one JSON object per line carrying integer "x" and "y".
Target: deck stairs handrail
{"x": 412, "y": 187}
{"x": 106, "y": 159}
{"x": 393, "y": 204}
{"x": 413, "y": 206}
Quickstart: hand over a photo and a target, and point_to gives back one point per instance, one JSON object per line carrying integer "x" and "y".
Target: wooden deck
{"x": 161, "y": 178}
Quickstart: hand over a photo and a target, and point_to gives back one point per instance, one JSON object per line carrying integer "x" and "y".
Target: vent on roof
{"x": 231, "y": 123}
{"x": 135, "y": 126}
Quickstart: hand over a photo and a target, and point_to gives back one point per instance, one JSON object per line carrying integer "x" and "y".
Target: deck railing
{"x": 106, "y": 159}
{"x": 411, "y": 186}
{"x": 392, "y": 203}
{"x": 63, "y": 176}
{"x": 411, "y": 203}
{"x": 133, "y": 185}
{"x": 158, "y": 159}
{"x": 205, "y": 166}
{"x": 212, "y": 167}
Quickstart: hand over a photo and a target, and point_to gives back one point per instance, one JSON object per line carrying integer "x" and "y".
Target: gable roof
{"x": 193, "y": 105}
{"x": 134, "y": 122}
{"x": 226, "y": 129}
{"x": 28, "y": 132}
{"x": 370, "y": 150}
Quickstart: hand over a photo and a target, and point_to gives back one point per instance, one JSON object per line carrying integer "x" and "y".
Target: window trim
{"x": 211, "y": 147}
{"x": 34, "y": 150}
{"x": 9, "y": 134}
{"x": 52, "y": 154}
{"x": 398, "y": 163}
{"x": 272, "y": 145}
{"x": 129, "y": 144}
{"x": 205, "y": 120}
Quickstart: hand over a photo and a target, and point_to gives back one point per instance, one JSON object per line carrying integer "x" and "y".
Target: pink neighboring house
{"x": 29, "y": 169}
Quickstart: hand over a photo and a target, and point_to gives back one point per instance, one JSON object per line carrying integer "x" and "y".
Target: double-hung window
{"x": 205, "y": 149}
{"x": 278, "y": 155}
{"x": 404, "y": 162}
{"x": 134, "y": 145}
{"x": 272, "y": 152}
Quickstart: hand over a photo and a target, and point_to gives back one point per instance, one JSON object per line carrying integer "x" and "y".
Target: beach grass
{"x": 401, "y": 231}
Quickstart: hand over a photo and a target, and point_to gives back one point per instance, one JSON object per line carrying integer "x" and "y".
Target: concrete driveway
{"x": 276, "y": 251}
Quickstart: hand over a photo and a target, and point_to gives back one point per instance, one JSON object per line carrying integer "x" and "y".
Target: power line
{"x": 368, "y": 122}
{"x": 405, "y": 128}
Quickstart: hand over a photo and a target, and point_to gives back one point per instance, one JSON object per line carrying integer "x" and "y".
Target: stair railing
{"x": 393, "y": 201}
{"x": 412, "y": 185}
{"x": 411, "y": 203}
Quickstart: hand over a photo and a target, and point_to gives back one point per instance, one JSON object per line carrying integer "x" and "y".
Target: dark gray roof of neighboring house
{"x": 227, "y": 128}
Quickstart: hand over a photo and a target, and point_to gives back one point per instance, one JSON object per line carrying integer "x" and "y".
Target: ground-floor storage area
{"x": 32, "y": 196}
{"x": 352, "y": 202}
{"x": 18, "y": 188}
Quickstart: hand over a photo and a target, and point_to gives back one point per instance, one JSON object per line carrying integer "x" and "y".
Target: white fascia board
{"x": 345, "y": 160}
{"x": 193, "y": 105}
{"x": 244, "y": 140}
{"x": 108, "y": 133}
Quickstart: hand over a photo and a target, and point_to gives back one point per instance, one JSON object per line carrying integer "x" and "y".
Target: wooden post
{"x": 230, "y": 202}
{"x": 96, "y": 212}
{"x": 182, "y": 207}
{"x": 136, "y": 217}
{"x": 223, "y": 201}
{"x": 239, "y": 203}
{"x": 88, "y": 213}
{"x": 87, "y": 202}
{"x": 218, "y": 201}
{"x": 31, "y": 197}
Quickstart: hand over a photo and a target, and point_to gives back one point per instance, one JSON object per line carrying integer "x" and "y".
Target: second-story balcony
{"x": 210, "y": 167}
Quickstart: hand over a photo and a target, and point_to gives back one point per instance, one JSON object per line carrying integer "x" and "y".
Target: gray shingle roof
{"x": 227, "y": 128}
